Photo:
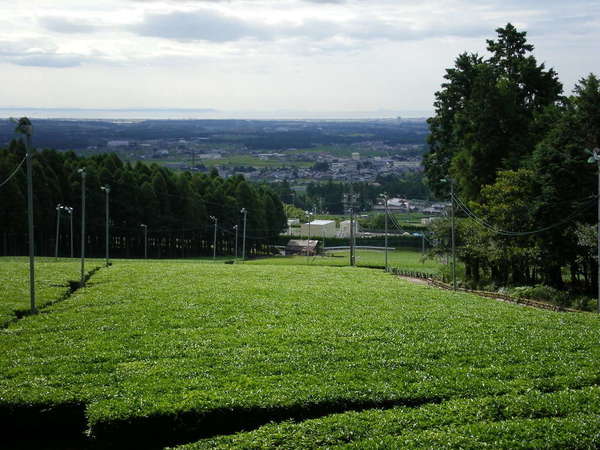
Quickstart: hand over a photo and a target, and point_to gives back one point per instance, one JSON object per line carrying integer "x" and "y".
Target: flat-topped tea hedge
{"x": 163, "y": 353}
{"x": 51, "y": 281}
{"x": 564, "y": 419}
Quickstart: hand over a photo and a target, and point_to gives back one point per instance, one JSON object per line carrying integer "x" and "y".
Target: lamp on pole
{"x": 25, "y": 127}
{"x": 59, "y": 208}
{"x": 595, "y": 158}
{"x": 215, "y": 220}
{"x": 83, "y": 174}
{"x": 244, "y": 211}
{"x": 145, "y": 227}
{"x": 235, "y": 227}
{"x": 106, "y": 189}
{"x": 385, "y": 199}
{"x": 69, "y": 211}
{"x": 451, "y": 181}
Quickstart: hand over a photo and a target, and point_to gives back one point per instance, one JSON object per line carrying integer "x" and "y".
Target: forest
{"x": 517, "y": 152}
{"x": 175, "y": 207}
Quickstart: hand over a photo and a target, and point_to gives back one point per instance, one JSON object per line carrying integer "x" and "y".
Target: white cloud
{"x": 331, "y": 54}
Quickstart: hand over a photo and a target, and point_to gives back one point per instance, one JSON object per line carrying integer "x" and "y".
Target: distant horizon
{"x": 160, "y": 113}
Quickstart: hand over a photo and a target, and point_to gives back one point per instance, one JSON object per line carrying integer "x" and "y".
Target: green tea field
{"x": 409, "y": 260}
{"x": 155, "y": 354}
{"x": 52, "y": 282}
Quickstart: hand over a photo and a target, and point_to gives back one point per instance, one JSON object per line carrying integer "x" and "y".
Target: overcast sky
{"x": 269, "y": 55}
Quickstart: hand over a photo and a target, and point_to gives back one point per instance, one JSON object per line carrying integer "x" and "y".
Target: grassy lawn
{"x": 410, "y": 260}
{"x": 161, "y": 353}
{"x": 51, "y": 282}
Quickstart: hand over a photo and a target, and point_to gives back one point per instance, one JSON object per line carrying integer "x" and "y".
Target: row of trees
{"x": 176, "y": 207}
{"x": 515, "y": 147}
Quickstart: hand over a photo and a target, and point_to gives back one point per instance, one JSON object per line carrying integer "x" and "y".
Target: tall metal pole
{"x": 70, "y": 211}
{"x": 25, "y": 127}
{"x": 82, "y": 172}
{"x": 106, "y": 189}
{"x": 214, "y": 219}
{"x": 352, "y": 257}
{"x": 597, "y": 151}
{"x": 310, "y": 217}
{"x": 59, "y": 208}
{"x": 244, "y": 211}
{"x": 236, "y": 240}
{"x": 145, "y": 227}
{"x": 385, "y": 198}
{"x": 595, "y": 158}
{"x": 422, "y": 243}
{"x": 453, "y": 233}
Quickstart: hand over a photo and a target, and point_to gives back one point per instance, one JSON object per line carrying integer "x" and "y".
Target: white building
{"x": 345, "y": 229}
{"x": 319, "y": 228}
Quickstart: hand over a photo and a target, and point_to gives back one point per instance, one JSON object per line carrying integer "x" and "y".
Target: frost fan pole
{"x": 82, "y": 172}
{"x": 106, "y": 189}
{"x": 244, "y": 211}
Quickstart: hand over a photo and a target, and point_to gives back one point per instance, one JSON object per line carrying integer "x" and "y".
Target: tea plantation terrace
{"x": 165, "y": 353}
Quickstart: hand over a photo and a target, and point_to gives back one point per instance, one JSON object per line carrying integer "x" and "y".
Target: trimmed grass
{"x": 410, "y": 260}
{"x": 51, "y": 282}
{"x": 162, "y": 353}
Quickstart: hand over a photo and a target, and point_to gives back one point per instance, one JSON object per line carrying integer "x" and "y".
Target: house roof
{"x": 322, "y": 222}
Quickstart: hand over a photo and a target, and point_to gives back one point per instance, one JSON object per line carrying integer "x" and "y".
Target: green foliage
{"x": 485, "y": 118}
{"x": 541, "y": 292}
{"x": 515, "y": 147}
{"x": 167, "y": 201}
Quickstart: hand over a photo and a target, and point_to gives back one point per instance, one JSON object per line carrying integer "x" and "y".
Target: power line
{"x": 14, "y": 172}
{"x": 492, "y": 228}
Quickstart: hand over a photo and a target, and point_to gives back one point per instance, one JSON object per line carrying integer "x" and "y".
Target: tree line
{"x": 176, "y": 207}
{"x": 514, "y": 145}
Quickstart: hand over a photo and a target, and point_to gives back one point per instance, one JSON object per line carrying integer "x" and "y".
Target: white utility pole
{"x": 214, "y": 219}
{"x": 451, "y": 181}
{"x": 82, "y": 172}
{"x": 235, "y": 227}
{"x": 106, "y": 189}
{"x": 385, "y": 199}
{"x": 145, "y": 227}
{"x": 244, "y": 211}
{"x": 69, "y": 211}
{"x": 59, "y": 208}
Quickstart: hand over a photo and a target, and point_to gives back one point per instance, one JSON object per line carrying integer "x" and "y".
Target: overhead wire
{"x": 14, "y": 172}
{"x": 492, "y": 228}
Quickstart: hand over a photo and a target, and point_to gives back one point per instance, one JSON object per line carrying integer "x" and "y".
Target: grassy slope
{"x": 52, "y": 281}
{"x": 161, "y": 340}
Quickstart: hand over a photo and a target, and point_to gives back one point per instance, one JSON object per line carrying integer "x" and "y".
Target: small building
{"x": 319, "y": 228}
{"x": 301, "y": 247}
{"x": 355, "y": 156}
{"x": 345, "y": 229}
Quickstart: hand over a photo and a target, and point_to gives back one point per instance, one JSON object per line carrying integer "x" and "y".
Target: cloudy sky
{"x": 269, "y": 55}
